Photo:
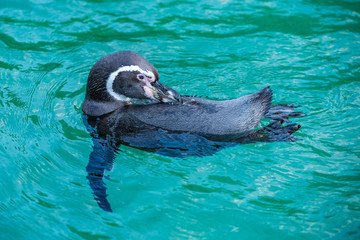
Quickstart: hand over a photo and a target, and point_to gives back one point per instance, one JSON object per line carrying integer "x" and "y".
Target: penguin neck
{"x": 98, "y": 108}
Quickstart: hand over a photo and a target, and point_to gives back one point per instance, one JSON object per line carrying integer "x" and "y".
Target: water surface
{"x": 309, "y": 53}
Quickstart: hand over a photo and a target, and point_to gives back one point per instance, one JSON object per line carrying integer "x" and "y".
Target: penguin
{"x": 126, "y": 104}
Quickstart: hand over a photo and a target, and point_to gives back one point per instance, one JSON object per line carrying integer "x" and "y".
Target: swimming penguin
{"x": 126, "y": 104}
{"x": 120, "y": 78}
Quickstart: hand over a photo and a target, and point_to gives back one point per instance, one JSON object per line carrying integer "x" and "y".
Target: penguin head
{"x": 118, "y": 78}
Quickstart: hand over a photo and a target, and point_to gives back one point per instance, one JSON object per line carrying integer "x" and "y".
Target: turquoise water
{"x": 307, "y": 51}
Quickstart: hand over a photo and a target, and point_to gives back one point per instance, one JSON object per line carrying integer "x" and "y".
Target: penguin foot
{"x": 274, "y": 132}
{"x": 282, "y": 112}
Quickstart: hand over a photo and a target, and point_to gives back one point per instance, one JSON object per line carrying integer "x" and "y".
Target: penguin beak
{"x": 163, "y": 93}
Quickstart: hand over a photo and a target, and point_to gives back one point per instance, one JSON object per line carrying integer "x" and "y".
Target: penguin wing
{"x": 206, "y": 117}
{"x": 100, "y": 159}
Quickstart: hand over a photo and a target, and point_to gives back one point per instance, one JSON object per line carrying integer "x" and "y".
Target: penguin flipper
{"x": 100, "y": 159}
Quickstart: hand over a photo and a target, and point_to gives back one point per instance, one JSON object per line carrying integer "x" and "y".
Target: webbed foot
{"x": 282, "y": 112}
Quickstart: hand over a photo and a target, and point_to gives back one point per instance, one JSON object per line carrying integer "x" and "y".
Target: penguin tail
{"x": 262, "y": 100}
{"x": 279, "y": 113}
{"x": 254, "y": 107}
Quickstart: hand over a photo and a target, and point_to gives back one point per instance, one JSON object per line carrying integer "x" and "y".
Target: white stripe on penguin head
{"x": 113, "y": 75}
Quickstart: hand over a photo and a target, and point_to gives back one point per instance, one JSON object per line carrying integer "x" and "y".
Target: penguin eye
{"x": 140, "y": 76}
